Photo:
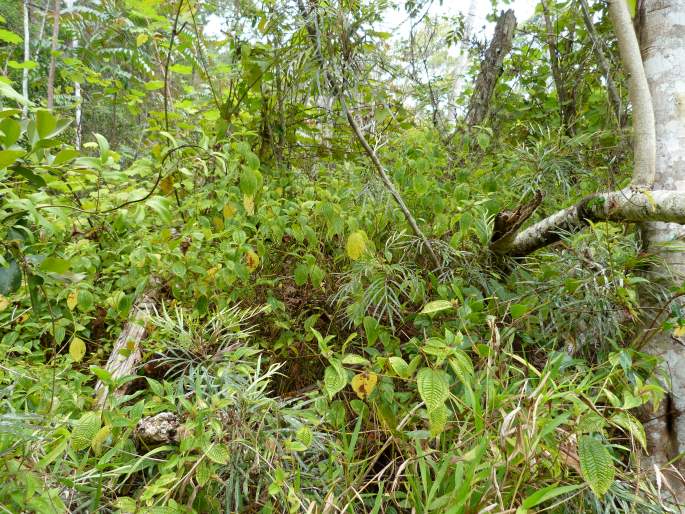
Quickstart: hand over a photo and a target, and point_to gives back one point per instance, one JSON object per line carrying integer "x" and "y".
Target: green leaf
{"x": 517, "y": 310}
{"x": 45, "y": 123}
{"x": 27, "y": 65}
{"x": 301, "y": 274}
{"x": 8, "y": 157}
{"x": 85, "y": 430}
{"x": 547, "y": 493}
{"x": 154, "y": 85}
{"x": 55, "y": 265}
{"x": 353, "y": 359}
{"x": 11, "y": 130}
{"x": 437, "y": 306}
{"x": 399, "y": 366}
{"x": 596, "y": 464}
{"x": 437, "y": 419}
{"x": 433, "y": 387}
{"x": 8, "y": 92}
{"x": 218, "y": 453}
{"x": 334, "y": 378}
{"x": 104, "y": 146}
{"x": 250, "y": 181}
{"x": 65, "y": 155}
{"x": 10, "y": 37}
{"x": 181, "y": 69}
{"x": 10, "y": 277}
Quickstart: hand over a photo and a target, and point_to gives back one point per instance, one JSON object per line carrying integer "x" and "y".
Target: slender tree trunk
{"x": 27, "y": 57}
{"x": 597, "y": 43}
{"x": 491, "y": 69}
{"x": 53, "y": 50}
{"x": 663, "y": 46}
{"x": 566, "y": 107}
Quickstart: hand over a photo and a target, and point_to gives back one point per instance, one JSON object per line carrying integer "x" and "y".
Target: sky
{"x": 397, "y": 23}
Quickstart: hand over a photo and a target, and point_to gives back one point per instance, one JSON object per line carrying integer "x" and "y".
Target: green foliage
{"x": 312, "y": 354}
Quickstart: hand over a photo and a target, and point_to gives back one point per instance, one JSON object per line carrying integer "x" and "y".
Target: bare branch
{"x": 627, "y": 206}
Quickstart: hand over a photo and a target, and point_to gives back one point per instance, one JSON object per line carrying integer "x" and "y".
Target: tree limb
{"x": 626, "y": 206}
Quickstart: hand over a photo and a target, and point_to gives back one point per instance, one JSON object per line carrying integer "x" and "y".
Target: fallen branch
{"x": 627, "y": 206}
{"x": 126, "y": 353}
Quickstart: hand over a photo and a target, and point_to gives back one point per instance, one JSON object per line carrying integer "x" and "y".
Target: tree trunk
{"x": 491, "y": 69}
{"x": 663, "y": 46}
{"x": 53, "y": 59}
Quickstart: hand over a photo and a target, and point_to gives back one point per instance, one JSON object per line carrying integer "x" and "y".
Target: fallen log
{"x": 127, "y": 353}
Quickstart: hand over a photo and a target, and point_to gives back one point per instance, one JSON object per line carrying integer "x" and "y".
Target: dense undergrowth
{"x": 316, "y": 359}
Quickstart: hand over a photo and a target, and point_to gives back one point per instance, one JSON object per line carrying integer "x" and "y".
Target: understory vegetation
{"x": 295, "y": 347}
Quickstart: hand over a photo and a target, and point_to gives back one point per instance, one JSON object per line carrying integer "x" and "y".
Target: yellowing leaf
{"x": 356, "y": 245}
{"x": 218, "y": 223}
{"x": 248, "y": 203}
{"x": 100, "y": 437}
{"x": 229, "y": 211}
{"x": 252, "y": 260}
{"x": 364, "y": 383}
{"x": 4, "y": 303}
{"x": 167, "y": 184}
{"x": 679, "y": 331}
{"x": 77, "y": 349}
{"x": 141, "y": 39}
{"x": 72, "y": 299}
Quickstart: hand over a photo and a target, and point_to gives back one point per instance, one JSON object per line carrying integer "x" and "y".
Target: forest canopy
{"x": 354, "y": 256}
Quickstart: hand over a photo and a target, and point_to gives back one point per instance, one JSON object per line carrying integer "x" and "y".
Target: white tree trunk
{"x": 663, "y": 44}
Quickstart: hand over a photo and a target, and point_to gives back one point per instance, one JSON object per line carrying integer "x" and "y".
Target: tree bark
{"x": 663, "y": 43}
{"x": 491, "y": 69}
{"x": 127, "y": 352}
{"x": 53, "y": 50}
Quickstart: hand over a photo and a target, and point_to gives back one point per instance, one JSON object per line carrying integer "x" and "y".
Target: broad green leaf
{"x": 8, "y": 157}
{"x": 100, "y": 438}
{"x": 77, "y": 349}
{"x": 181, "y": 69}
{"x": 433, "y": 387}
{"x": 10, "y": 277}
{"x": 55, "y": 265}
{"x": 437, "y": 419}
{"x": 85, "y": 300}
{"x": 103, "y": 144}
{"x": 45, "y": 123}
{"x": 8, "y": 92}
{"x": 10, "y": 37}
{"x": 399, "y": 366}
{"x": 437, "y": 306}
{"x": 250, "y": 181}
{"x": 85, "y": 430}
{"x": 26, "y": 65}
{"x": 596, "y": 464}
{"x": 11, "y": 130}
{"x": 352, "y": 359}
{"x": 218, "y": 453}
{"x": 153, "y": 85}
{"x": 517, "y": 310}
{"x": 65, "y": 155}
{"x": 334, "y": 378}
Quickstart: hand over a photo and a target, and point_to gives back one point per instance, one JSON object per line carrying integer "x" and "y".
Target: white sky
{"x": 396, "y": 20}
